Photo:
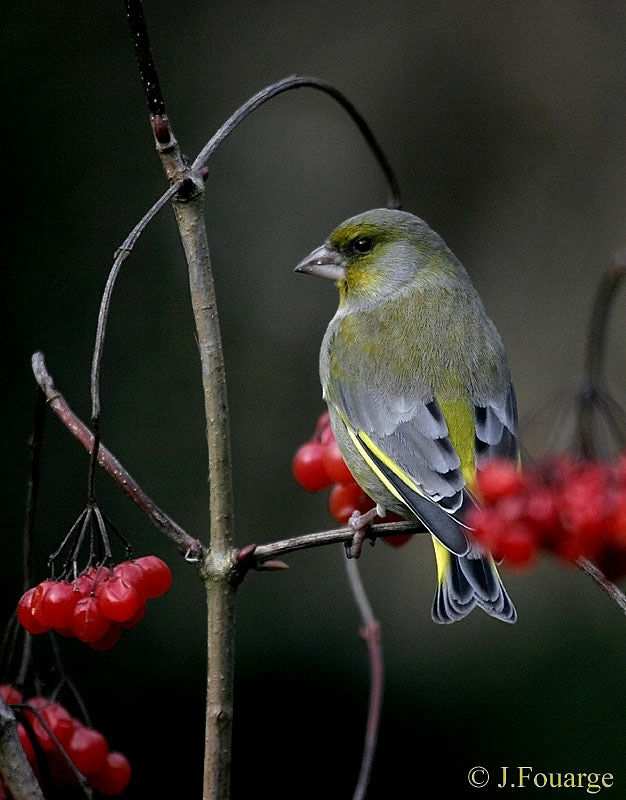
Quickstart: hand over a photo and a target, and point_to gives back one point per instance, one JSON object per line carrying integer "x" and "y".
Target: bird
{"x": 419, "y": 392}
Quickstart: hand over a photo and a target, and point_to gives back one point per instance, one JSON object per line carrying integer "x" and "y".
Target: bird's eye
{"x": 362, "y": 244}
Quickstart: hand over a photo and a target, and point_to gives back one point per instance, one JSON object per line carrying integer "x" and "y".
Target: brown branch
{"x": 191, "y": 548}
{"x": 218, "y": 569}
{"x": 264, "y": 552}
{"x": 603, "y": 582}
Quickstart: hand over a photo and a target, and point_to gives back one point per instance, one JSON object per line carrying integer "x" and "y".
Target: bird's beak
{"x": 324, "y": 263}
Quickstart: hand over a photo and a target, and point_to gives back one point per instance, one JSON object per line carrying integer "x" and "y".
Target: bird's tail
{"x": 467, "y": 581}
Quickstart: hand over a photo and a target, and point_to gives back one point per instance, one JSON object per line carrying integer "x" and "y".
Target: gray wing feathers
{"x": 496, "y": 431}
{"x": 412, "y": 432}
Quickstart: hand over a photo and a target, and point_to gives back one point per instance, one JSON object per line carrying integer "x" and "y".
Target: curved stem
{"x": 123, "y": 252}
{"x": 298, "y": 82}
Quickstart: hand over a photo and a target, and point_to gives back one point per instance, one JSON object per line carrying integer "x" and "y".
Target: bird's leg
{"x": 360, "y": 524}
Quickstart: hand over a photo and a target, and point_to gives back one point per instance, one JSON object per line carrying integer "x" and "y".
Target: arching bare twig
{"x": 299, "y": 82}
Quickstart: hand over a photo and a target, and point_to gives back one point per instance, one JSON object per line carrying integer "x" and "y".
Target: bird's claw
{"x": 360, "y": 524}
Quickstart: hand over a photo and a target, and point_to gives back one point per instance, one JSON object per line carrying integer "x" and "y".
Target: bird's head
{"x": 373, "y": 255}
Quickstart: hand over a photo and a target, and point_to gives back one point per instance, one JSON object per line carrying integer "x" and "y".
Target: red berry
{"x": 132, "y": 573}
{"x": 542, "y": 509}
{"x": 518, "y": 546}
{"x": 88, "y": 749}
{"x": 398, "y": 540}
{"x": 60, "y": 723}
{"x": 323, "y": 430}
{"x": 158, "y": 576}
{"x": 10, "y": 694}
{"x": 99, "y": 577}
{"x": 134, "y": 620}
{"x": 119, "y": 600}
{"x": 57, "y": 604}
{"x": 618, "y": 523}
{"x": 308, "y": 467}
{"x": 334, "y": 465}
{"x": 88, "y": 621}
{"x": 488, "y": 527}
{"x": 109, "y": 640}
{"x": 113, "y": 778}
{"x": 498, "y": 479}
{"x": 43, "y": 737}
{"x": 37, "y": 602}
{"x": 83, "y": 585}
{"x": 26, "y": 616}
{"x": 26, "y": 743}
{"x": 584, "y": 508}
{"x": 345, "y": 498}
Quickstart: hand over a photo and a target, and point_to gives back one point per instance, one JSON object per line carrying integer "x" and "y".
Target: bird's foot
{"x": 360, "y": 524}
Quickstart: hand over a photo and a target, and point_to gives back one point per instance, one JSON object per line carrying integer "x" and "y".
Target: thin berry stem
{"x": 370, "y": 633}
{"x": 614, "y": 592}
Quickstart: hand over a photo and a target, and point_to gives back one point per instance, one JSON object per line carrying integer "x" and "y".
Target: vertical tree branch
{"x": 219, "y": 566}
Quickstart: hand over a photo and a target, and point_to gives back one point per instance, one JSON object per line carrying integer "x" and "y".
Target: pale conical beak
{"x": 324, "y": 263}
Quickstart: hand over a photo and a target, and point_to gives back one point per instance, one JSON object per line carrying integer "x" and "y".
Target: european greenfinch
{"x": 416, "y": 380}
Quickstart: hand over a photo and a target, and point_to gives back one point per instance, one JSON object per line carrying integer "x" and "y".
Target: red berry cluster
{"x": 99, "y": 604}
{"x": 318, "y": 464}
{"x": 569, "y": 507}
{"x": 106, "y": 770}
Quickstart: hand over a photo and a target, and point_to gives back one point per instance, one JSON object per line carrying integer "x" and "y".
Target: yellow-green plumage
{"x": 418, "y": 389}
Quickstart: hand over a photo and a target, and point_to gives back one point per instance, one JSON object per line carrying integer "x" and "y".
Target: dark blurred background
{"x": 505, "y": 123}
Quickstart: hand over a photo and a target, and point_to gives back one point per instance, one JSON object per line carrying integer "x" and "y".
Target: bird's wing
{"x": 496, "y": 429}
{"x": 405, "y": 441}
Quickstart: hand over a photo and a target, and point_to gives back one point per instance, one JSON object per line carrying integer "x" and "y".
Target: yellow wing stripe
{"x": 374, "y": 467}
{"x": 442, "y": 556}
{"x": 391, "y": 465}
